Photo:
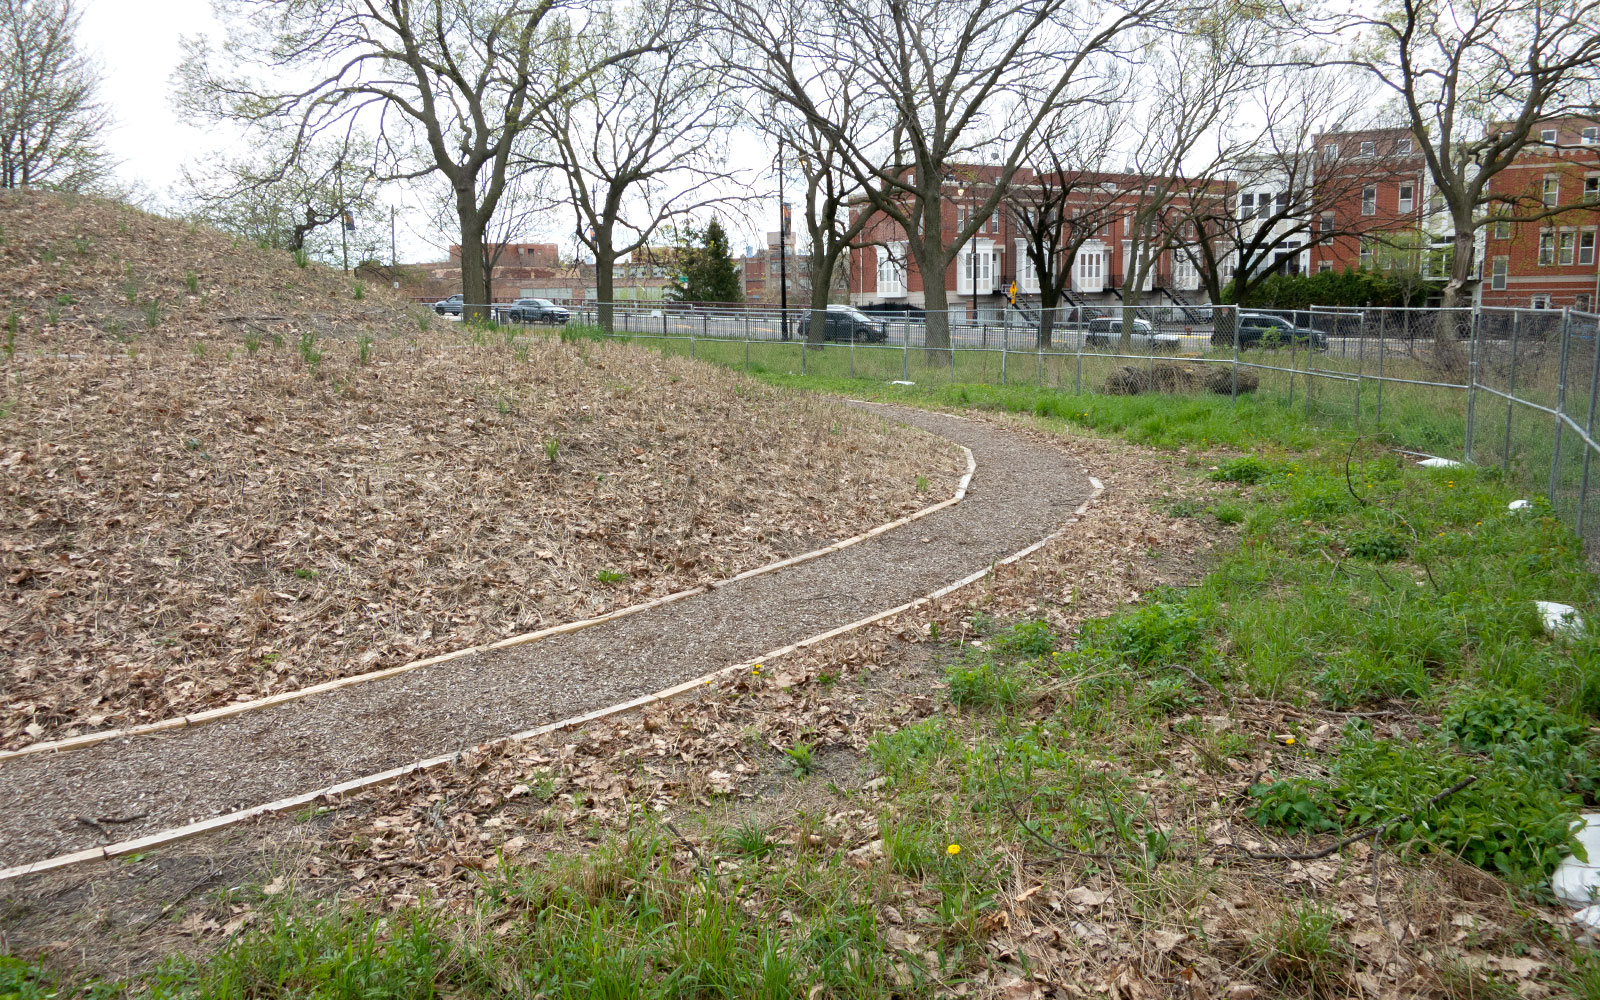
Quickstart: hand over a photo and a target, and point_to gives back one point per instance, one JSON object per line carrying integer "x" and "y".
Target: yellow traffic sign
{"x": 1013, "y": 292}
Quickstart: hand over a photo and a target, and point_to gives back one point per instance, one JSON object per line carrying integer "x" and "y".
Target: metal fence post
{"x": 1294, "y": 342}
{"x": 1382, "y": 329}
{"x": 663, "y": 330}
{"x": 905, "y": 359}
{"x": 1588, "y": 452}
{"x": 691, "y": 336}
{"x": 852, "y": 354}
{"x": 1236, "y": 358}
{"x": 1077, "y": 378}
{"x": 1005, "y": 339}
{"x": 1561, "y": 402}
{"x": 1473, "y": 327}
{"x": 747, "y": 339}
{"x": 1038, "y": 345}
{"x": 1511, "y": 390}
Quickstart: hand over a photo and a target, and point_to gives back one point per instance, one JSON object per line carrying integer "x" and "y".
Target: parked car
{"x": 449, "y": 307}
{"x": 1266, "y": 330}
{"x": 1106, "y": 331}
{"x": 537, "y": 311}
{"x": 847, "y": 323}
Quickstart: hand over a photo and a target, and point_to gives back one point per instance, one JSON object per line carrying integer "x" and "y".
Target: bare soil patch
{"x": 188, "y": 522}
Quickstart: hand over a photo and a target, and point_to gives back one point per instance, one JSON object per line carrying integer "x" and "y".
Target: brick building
{"x": 1553, "y": 262}
{"x": 1380, "y": 202}
{"x": 1396, "y": 222}
{"x": 977, "y": 281}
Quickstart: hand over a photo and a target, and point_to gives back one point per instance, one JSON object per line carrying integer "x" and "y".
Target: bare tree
{"x": 284, "y": 202}
{"x": 953, "y": 81}
{"x": 1065, "y": 202}
{"x": 449, "y": 86}
{"x": 1183, "y": 142}
{"x": 50, "y": 114}
{"x": 1471, "y": 80}
{"x": 1306, "y": 196}
{"x": 641, "y": 143}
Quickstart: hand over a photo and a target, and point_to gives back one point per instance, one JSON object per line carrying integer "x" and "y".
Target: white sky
{"x": 137, "y": 45}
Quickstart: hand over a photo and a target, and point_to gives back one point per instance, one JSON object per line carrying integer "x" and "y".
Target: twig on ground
{"x": 1374, "y": 833}
{"x": 705, "y": 869}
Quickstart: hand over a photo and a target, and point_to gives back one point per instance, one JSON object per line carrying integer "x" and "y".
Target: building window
{"x": 994, "y": 222}
{"x": 1502, "y": 229}
{"x": 1402, "y": 147}
{"x": 1547, "y": 248}
{"x": 1586, "y": 247}
{"x": 1369, "y": 149}
{"x": 1330, "y": 152}
{"x": 1581, "y": 303}
{"x": 1497, "y": 279}
{"x": 1326, "y": 265}
{"x": 892, "y": 270}
{"x": 1547, "y": 135}
{"x": 1540, "y": 302}
{"x": 1591, "y": 188}
{"x": 1366, "y": 252}
{"x": 1369, "y": 200}
{"x": 1552, "y": 190}
{"x": 1568, "y": 244}
{"x": 1591, "y": 135}
{"x": 1282, "y": 203}
{"x": 1327, "y": 222}
{"x": 1407, "y": 198}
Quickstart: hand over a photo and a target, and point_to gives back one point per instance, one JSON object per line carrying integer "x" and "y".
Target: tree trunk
{"x": 1448, "y": 329}
{"x": 474, "y": 277}
{"x": 1047, "y": 324}
{"x": 821, "y": 280}
{"x": 605, "y": 273}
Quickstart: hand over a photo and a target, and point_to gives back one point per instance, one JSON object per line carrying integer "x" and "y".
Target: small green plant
{"x": 65, "y": 299}
{"x": 252, "y": 342}
{"x": 1377, "y": 544}
{"x": 1302, "y": 952}
{"x": 424, "y": 321}
{"x": 198, "y": 349}
{"x": 922, "y": 484}
{"x": 1227, "y": 512}
{"x": 1026, "y": 640}
{"x": 611, "y": 576}
{"x": 1296, "y": 805}
{"x": 1247, "y": 470}
{"x": 152, "y": 314}
{"x": 52, "y": 316}
{"x": 82, "y": 245}
{"x": 302, "y": 259}
{"x": 802, "y": 759}
{"x": 359, "y": 292}
{"x": 749, "y": 839}
{"x": 552, "y": 449}
{"x": 308, "y": 350}
{"x": 364, "y": 349}
{"x": 130, "y": 291}
{"x": 306, "y": 574}
{"x": 1159, "y": 632}
{"x": 521, "y": 352}
{"x": 192, "y": 280}
{"x": 983, "y": 685}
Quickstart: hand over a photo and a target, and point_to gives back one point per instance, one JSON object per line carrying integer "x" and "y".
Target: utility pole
{"x": 783, "y": 238}
{"x": 394, "y": 258}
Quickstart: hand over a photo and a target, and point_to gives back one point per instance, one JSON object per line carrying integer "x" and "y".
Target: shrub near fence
{"x": 1519, "y": 394}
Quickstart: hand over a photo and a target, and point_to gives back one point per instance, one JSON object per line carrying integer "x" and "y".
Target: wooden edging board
{"x": 171, "y": 836}
{"x": 238, "y": 708}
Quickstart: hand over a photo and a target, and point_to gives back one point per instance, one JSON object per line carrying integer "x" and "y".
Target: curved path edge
{"x": 238, "y": 708}
{"x": 163, "y": 838}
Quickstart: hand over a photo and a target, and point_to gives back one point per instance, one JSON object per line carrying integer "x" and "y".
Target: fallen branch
{"x": 1372, "y": 834}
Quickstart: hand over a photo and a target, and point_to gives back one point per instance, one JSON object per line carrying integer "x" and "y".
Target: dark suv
{"x": 1261, "y": 330}
{"x": 847, "y": 323}
{"x": 537, "y": 311}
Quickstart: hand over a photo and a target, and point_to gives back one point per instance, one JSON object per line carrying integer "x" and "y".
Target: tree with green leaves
{"x": 707, "y": 267}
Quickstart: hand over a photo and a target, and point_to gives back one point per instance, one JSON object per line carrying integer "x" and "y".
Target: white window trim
{"x": 1498, "y": 271}
{"x": 1594, "y": 239}
{"x": 1027, "y": 270}
{"x": 1408, "y": 202}
{"x": 892, "y": 270}
{"x": 1369, "y": 206}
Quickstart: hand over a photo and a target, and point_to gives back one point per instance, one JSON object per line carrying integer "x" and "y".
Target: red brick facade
{"x": 880, "y": 269}
{"x": 1552, "y": 262}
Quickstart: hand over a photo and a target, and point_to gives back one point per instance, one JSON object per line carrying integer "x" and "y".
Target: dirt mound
{"x": 1163, "y": 376}
{"x": 1220, "y": 380}
{"x": 79, "y": 270}
{"x": 208, "y": 513}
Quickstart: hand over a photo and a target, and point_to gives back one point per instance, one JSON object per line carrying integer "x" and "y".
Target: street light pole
{"x": 344, "y": 242}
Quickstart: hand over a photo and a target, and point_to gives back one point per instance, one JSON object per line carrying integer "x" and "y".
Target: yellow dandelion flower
{"x": 1288, "y": 741}
{"x": 953, "y": 850}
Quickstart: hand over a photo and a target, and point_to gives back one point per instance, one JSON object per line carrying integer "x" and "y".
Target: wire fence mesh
{"x": 1513, "y": 389}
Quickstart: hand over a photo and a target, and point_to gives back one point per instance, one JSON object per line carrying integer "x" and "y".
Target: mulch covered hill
{"x": 192, "y": 516}
{"x": 83, "y": 270}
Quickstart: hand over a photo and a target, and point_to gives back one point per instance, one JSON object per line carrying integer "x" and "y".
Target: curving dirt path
{"x": 51, "y": 804}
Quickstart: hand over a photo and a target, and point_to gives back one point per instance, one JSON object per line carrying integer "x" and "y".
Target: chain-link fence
{"x": 1509, "y": 388}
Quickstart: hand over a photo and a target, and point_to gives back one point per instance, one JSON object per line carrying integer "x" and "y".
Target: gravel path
{"x": 54, "y": 803}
